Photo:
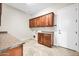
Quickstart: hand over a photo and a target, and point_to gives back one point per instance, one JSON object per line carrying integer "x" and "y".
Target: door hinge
{"x": 76, "y": 32}
{"x": 76, "y": 20}
{"x": 76, "y": 9}
{"x": 76, "y": 43}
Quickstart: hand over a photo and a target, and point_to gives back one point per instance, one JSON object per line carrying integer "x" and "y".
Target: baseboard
{"x": 66, "y": 48}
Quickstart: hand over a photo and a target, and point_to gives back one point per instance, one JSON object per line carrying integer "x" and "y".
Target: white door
{"x": 67, "y": 27}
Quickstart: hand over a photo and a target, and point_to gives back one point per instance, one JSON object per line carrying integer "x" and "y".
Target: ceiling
{"x": 33, "y": 8}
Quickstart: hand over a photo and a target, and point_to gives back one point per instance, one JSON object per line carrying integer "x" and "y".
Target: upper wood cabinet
{"x": 46, "y": 20}
{"x": 0, "y": 12}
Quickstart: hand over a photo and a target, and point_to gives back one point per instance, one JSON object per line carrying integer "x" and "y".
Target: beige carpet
{"x": 32, "y": 48}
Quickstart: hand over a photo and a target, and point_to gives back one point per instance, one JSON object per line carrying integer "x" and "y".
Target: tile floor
{"x": 32, "y": 48}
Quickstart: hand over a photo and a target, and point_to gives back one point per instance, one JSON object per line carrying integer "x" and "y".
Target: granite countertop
{"x": 8, "y": 41}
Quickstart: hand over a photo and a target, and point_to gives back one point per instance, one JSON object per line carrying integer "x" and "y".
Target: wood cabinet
{"x": 40, "y": 38}
{"x": 32, "y": 23}
{"x": 46, "y": 39}
{"x": 43, "y": 21}
{"x": 17, "y": 51}
{"x": 0, "y": 12}
{"x": 46, "y": 20}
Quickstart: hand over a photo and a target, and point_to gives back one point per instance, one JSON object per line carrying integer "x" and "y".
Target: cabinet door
{"x": 30, "y": 23}
{"x": 40, "y": 38}
{"x": 18, "y": 51}
{"x": 33, "y": 22}
{"x": 51, "y": 19}
{"x": 38, "y": 22}
{"x": 47, "y": 20}
{"x": 47, "y": 40}
{"x": 43, "y": 21}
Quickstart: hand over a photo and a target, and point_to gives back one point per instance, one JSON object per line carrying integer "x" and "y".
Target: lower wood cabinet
{"x": 40, "y": 38}
{"x": 46, "y": 39}
{"x": 17, "y": 51}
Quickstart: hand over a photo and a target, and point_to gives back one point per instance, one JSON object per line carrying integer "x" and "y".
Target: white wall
{"x": 78, "y": 24}
{"x": 67, "y": 27}
{"x": 42, "y": 12}
{"x": 15, "y": 22}
{"x": 65, "y": 19}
